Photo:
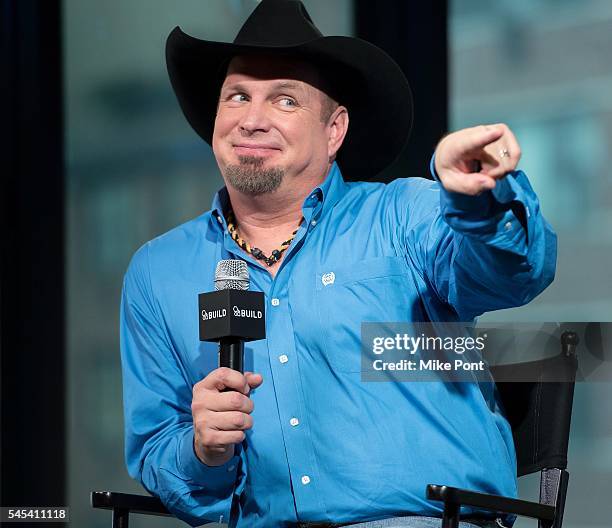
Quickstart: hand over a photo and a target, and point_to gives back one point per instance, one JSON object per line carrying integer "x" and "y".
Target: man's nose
{"x": 255, "y": 118}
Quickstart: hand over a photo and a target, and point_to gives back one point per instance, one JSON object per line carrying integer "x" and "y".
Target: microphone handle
{"x": 231, "y": 353}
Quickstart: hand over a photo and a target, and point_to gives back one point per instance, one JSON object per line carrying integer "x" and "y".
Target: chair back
{"x": 540, "y": 410}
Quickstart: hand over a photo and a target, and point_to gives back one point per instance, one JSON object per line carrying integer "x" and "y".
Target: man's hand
{"x": 219, "y": 418}
{"x": 470, "y": 161}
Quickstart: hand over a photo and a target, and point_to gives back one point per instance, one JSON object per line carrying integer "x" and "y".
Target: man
{"x": 300, "y": 439}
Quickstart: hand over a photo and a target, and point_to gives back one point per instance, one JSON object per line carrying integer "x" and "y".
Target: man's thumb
{"x": 254, "y": 380}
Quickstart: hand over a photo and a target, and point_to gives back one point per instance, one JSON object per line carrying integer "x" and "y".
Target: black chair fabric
{"x": 539, "y": 411}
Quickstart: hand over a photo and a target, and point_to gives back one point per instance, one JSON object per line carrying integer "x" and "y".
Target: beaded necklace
{"x": 274, "y": 257}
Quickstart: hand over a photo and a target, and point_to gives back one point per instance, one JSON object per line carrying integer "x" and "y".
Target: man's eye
{"x": 238, "y": 98}
{"x": 288, "y": 102}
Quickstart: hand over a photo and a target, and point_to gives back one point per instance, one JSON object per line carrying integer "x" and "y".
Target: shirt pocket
{"x": 371, "y": 290}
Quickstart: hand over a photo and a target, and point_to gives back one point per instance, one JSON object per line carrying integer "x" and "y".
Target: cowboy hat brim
{"x": 364, "y": 79}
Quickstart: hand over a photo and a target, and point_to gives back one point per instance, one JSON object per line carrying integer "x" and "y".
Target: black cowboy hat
{"x": 359, "y": 75}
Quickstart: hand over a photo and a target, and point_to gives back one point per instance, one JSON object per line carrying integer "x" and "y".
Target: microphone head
{"x": 232, "y": 274}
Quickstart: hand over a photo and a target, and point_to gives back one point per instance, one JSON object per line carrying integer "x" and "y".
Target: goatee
{"x": 250, "y": 177}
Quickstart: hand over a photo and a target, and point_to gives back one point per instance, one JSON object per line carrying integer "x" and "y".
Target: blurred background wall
{"x": 136, "y": 169}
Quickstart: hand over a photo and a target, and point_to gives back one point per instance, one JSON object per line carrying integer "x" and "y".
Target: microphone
{"x": 232, "y": 314}
{"x": 232, "y": 274}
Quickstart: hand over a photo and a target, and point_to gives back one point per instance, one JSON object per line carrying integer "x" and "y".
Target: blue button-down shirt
{"x": 324, "y": 444}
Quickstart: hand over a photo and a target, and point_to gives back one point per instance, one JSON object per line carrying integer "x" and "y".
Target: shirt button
{"x": 294, "y": 422}
{"x": 283, "y": 358}
{"x": 275, "y": 302}
{"x": 508, "y": 226}
{"x": 305, "y": 479}
{"x": 231, "y": 468}
{"x": 313, "y": 223}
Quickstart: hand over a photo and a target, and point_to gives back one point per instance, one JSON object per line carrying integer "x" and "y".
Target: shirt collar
{"x": 327, "y": 194}
{"x": 220, "y": 204}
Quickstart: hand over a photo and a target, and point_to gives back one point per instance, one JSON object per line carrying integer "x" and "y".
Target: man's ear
{"x": 338, "y": 126}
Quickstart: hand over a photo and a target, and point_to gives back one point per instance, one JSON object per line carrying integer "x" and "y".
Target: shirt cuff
{"x": 213, "y": 476}
{"x": 474, "y": 206}
{"x": 481, "y": 213}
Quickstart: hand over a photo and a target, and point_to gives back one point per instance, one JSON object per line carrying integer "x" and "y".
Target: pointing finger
{"x": 481, "y": 136}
